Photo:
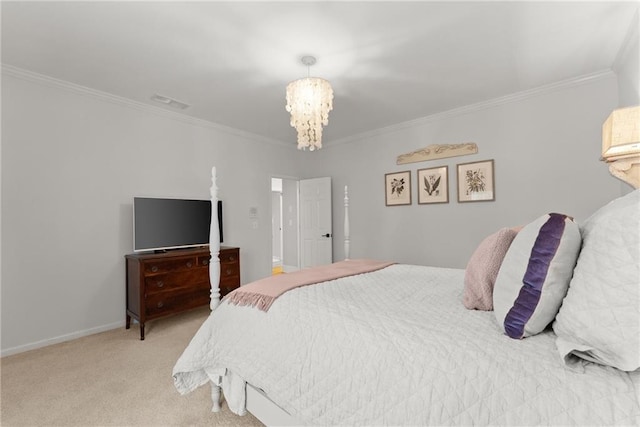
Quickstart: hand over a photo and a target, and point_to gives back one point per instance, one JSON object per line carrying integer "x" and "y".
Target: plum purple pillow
{"x": 482, "y": 269}
{"x": 535, "y": 274}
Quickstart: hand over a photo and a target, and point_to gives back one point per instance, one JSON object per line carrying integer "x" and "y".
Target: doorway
{"x": 301, "y": 226}
{"x": 276, "y": 227}
{"x": 284, "y": 225}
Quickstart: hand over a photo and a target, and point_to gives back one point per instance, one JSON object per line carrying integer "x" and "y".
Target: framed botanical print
{"x": 476, "y": 182}
{"x": 397, "y": 187}
{"x": 433, "y": 185}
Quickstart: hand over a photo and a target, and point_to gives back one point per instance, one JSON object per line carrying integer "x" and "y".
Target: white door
{"x": 316, "y": 246}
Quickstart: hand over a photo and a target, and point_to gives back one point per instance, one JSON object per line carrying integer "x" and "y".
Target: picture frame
{"x": 397, "y": 187}
{"x": 476, "y": 181}
{"x": 433, "y": 185}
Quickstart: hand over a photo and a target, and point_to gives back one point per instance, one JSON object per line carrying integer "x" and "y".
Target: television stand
{"x": 162, "y": 284}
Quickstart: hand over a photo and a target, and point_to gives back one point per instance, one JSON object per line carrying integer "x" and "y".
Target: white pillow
{"x": 600, "y": 318}
{"x": 535, "y": 275}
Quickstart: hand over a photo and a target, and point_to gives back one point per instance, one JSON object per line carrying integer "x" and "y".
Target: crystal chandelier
{"x": 309, "y": 101}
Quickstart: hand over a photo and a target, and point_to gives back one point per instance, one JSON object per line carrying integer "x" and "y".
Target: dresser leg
{"x": 128, "y": 322}
{"x": 141, "y": 331}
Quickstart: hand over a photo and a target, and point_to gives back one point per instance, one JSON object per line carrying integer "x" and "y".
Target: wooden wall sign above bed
{"x": 438, "y": 151}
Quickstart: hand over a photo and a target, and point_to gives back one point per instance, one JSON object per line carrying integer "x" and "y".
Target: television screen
{"x": 160, "y": 224}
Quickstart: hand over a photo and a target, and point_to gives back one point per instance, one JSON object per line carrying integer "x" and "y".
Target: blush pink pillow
{"x": 483, "y": 267}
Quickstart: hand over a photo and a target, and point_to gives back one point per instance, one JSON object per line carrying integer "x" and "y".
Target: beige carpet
{"x": 110, "y": 379}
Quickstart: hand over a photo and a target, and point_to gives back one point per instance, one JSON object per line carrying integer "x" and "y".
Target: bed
{"x": 415, "y": 345}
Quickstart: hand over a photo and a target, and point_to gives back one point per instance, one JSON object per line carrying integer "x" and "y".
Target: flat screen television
{"x": 161, "y": 224}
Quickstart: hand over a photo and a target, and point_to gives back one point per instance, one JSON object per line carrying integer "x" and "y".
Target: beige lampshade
{"x": 621, "y": 134}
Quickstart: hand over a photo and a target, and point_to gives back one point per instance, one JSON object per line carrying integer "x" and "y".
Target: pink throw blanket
{"x": 262, "y": 293}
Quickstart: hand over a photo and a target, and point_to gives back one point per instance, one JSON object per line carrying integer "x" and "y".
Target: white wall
{"x": 71, "y": 164}
{"x": 546, "y": 148}
{"x": 627, "y": 67}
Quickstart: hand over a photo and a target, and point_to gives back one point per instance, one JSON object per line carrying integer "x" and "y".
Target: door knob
{"x": 326, "y": 235}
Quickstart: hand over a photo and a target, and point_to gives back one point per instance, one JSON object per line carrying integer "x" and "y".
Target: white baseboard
{"x": 289, "y": 268}
{"x": 61, "y": 338}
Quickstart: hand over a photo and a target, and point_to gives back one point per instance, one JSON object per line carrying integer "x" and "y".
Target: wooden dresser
{"x": 161, "y": 284}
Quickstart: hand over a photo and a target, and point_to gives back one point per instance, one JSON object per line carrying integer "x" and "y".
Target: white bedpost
{"x": 214, "y": 270}
{"x": 214, "y": 244}
{"x": 346, "y": 223}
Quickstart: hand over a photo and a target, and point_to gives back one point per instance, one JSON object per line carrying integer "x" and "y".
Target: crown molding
{"x": 34, "y": 77}
{"x": 518, "y": 96}
{"x": 31, "y": 76}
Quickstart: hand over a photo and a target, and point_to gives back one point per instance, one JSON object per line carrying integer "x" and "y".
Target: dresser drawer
{"x": 228, "y": 284}
{"x": 163, "y": 303}
{"x": 229, "y": 270}
{"x": 204, "y": 260}
{"x": 169, "y": 281}
{"x": 229, "y": 256}
{"x": 167, "y": 265}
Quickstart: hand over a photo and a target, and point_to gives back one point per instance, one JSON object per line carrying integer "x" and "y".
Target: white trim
{"x": 65, "y": 85}
{"x": 347, "y": 240}
{"x": 518, "y": 96}
{"x": 31, "y": 76}
{"x": 61, "y": 338}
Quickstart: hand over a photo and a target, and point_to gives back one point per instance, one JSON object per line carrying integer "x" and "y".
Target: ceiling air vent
{"x": 170, "y": 102}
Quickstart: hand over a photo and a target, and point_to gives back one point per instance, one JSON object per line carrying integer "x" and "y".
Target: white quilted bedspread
{"x": 397, "y": 347}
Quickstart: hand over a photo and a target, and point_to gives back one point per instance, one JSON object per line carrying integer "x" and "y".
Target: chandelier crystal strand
{"x": 309, "y": 101}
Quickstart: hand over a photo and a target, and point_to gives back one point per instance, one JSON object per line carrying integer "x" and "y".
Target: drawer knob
{"x": 154, "y": 268}
{"x": 160, "y": 304}
{"x": 229, "y": 271}
{"x": 205, "y": 261}
{"x": 160, "y": 283}
{"x": 189, "y": 264}
{"x": 232, "y": 258}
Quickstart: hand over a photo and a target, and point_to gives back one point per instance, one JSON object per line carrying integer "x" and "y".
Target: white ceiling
{"x": 388, "y": 62}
